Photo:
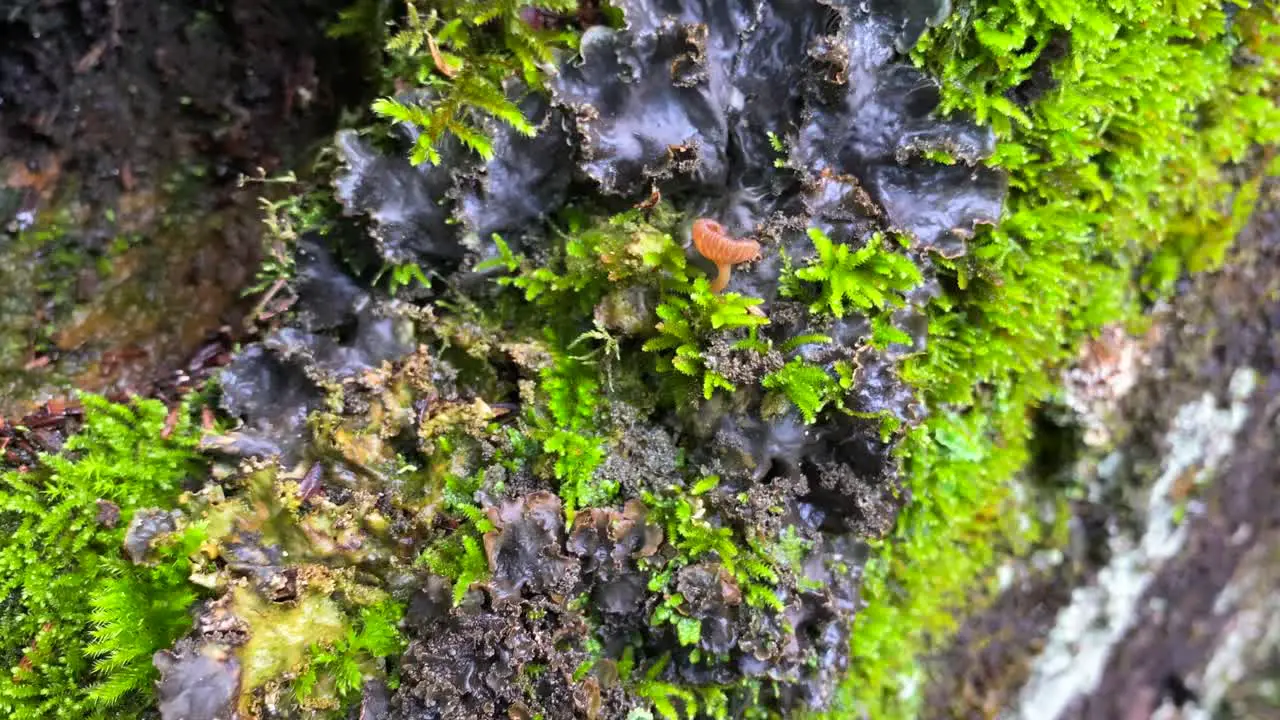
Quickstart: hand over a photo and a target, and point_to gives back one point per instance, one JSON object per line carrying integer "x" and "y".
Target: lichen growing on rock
{"x": 676, "y": 483}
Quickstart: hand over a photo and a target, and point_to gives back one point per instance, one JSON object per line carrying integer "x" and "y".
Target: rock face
{"x": 1147, "y": 614}
{"x": 123, "y": 134}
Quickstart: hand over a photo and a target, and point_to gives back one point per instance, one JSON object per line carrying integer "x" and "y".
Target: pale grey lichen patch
{"x": 1253, "y": 632}
{"x": 1200, "y": 437}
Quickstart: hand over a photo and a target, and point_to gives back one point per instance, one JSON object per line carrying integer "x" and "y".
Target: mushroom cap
{"x": 716, "y": 245}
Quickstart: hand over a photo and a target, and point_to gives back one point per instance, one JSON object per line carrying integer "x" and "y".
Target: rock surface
{"x": 1175, "y": 534}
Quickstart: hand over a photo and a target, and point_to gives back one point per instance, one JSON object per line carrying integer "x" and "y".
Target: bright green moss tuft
{"x": 687, "y": 317}
{"x": 341, "y": 667}
{"x": 463, "y": 52}
{"x": 1115, "y": 174}
{"x": 682, "y": 702}
{"x": 808, "y": 386}
{"x": 78, "y": 622}
{"x": 868, "y": 278}
{"x": 138, "y": 610}
{"x": 565, "y": 430}
{"x": 743, "y": 556}
{"x": 459, "y": 558}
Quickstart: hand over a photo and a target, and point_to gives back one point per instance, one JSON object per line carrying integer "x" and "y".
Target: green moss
{"x": 568, "y": 295}
{"x": 745, "y": 558}
{"x": 598, "y": 253}
{"x": 1115, "y": 174}
{"x": 564, "y": 428}
{"x": 462, "y": 52}
{"x": 403, "y": 276}
{"x": 285, "y": 220}
{"x": 78, "y": 623}
{"x": 344, "y": 665}
{"x": 678, "y": 702}
{"x": 459, "y": 558}
{"x": 808, "y": 386}
{"x": 688, "y": 317}
{"x": 137, "y": 611}
{"x": 871, "y": 278}
{"x": 335, "y": 673}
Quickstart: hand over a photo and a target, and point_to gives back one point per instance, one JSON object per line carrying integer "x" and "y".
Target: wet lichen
{"x": 564, "y": 340}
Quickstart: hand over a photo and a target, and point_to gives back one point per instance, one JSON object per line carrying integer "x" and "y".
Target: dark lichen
{"x": 635, "y": 381}
{"x": 597, "y": 485}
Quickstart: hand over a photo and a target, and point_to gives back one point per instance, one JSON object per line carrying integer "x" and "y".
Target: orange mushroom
{"x": 721, "y": 248}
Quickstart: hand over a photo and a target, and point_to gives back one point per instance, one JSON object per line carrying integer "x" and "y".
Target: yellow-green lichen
{"x": 280, "y": 636}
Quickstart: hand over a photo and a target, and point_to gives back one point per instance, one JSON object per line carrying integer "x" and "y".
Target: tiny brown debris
{"x": 439, "y": 60}
{"x": 127, "y": 180}
{"x": 311, "y": 482}
{"x": 649, "y": 203}
{"x": 170, "y": 424}
{"x": 91, "y": 59}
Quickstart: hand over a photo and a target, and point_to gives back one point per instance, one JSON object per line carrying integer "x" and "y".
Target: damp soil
{"x": 1217, "y": 323}
{"x": 126, "y": 236}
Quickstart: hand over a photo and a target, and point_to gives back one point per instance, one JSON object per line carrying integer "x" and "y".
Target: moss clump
{"x": 280, "y": 637}
{"x": 460, "y": 557}
{"x": 462, "y": 55}
{"x": 337, "y": 670}
{"x": 689, "y": 318}
{"x": 868, "y": 278}
{"x": 1115, "y": 173}
{"x": 565, "y": 430}
{"x": 78, "y": 622}
{"x": 632, "y": 250}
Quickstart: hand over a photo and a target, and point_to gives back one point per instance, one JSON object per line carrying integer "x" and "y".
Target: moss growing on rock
{"x": 1115, "y": 124}
{"x": 79, "y": 621}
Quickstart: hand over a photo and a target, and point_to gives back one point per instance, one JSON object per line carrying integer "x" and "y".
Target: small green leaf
{"x": 705, "y": 485}
{"x": 689, "y": 631}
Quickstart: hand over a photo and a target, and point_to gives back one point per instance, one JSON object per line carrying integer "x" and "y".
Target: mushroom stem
{"x": 723, "y": 270}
